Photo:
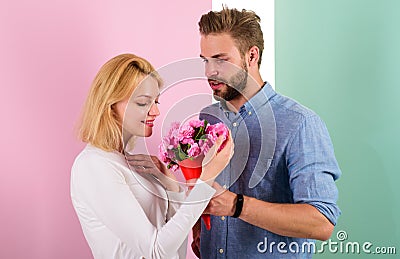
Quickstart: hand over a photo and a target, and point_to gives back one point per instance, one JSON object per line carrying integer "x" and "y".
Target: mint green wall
{"x": 341, "y": 58}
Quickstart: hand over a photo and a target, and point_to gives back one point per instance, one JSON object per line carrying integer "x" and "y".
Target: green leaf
{"x": 180, "y": 155}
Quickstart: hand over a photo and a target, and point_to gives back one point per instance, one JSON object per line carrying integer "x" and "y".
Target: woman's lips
{"x": 149, "y": 123}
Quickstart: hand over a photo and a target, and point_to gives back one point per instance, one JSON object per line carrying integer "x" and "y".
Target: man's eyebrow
{"x": 219, "y": 55}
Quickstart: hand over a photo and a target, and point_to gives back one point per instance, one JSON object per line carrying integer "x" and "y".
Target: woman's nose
{"x": 154, "y": 111}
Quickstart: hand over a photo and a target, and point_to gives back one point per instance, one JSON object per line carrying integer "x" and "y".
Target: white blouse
{"x": 124, "y": 214}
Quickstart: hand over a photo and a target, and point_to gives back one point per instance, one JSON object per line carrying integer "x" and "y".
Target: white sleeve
{"x": 175, "y": 200}
{"x": 103, "y": 187}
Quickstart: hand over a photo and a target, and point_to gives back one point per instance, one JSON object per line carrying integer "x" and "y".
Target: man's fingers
{"x": 195, "y": 248}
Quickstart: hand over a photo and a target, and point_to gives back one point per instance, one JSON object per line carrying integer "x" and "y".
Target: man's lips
{"x": 215, "y": 85}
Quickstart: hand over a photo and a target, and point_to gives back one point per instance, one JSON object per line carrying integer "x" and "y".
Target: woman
{"x": 128, "y": 213}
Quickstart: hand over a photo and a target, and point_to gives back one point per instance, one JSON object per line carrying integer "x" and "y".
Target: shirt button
{"x": 221, "y": 251}
{"x": 234, "y": 124}
{"x": 224, "y": 186}
{"x": 223, "y": 218}
{"x": 249, "y": 113}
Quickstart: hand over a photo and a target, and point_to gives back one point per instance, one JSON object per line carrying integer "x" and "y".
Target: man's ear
{"x": 253, "y": 56}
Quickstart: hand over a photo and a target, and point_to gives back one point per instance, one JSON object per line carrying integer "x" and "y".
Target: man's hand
{"x": 223, "y": 203}
{"x": 196, "y": 230}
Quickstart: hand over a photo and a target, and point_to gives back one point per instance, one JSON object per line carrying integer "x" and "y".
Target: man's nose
{"x": 211, "y": 69}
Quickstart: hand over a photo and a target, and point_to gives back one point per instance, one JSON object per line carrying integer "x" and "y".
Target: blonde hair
{"x": 115, "y": 81}
{"x": 243, "y": 26}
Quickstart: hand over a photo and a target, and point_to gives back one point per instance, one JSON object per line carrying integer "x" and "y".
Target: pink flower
{"x": 185, "y": 135}
{"x": 217, "y": 130}
{"x": 173, "y": 134}
{"x": 189, "y": 140}
{"x": 194, "y": 150}
{"x": 163, "y": 154}
{"x": 196, "y": 123}
{"x": 206, "y": 144}
{"x": 174, "y": 167}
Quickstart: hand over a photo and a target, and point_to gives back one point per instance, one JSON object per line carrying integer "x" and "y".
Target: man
{"x": 280, "y": 184}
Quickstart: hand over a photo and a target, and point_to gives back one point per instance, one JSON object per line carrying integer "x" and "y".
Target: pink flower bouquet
{"x": 189, "y": 141}
{"x": 185, "y": 146}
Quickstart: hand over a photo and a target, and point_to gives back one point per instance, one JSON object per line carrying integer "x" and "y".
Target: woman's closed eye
{"x": 142, "y": 104}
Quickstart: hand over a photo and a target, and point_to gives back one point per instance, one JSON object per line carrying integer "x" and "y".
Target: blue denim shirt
{"x": 283, "y": 154}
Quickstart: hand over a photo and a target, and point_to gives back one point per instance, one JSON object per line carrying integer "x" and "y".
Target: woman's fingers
{"x": 138, "y": 157}
{"x": 140, "y": 169}
{"x": 228, "y": 148}
{"x": 141, "y": 162}
{"x": 217, "y": 148}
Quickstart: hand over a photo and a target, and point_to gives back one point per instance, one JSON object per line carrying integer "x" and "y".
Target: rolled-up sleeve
{"x": 313, "y": 168}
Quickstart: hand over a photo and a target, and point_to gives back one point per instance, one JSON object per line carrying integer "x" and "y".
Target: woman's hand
{"x": 214, "y": 162}
{"x": 152, "y": 165}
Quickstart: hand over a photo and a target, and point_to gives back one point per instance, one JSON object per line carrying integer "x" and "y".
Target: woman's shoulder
{"x": 90, "y": 153}
{"x": 93, "y": 158}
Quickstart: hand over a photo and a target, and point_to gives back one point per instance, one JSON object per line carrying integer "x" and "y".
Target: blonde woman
{"x": 128, "y": 213}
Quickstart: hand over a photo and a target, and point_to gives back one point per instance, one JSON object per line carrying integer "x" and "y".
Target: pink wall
{"x": 50, "y": 52}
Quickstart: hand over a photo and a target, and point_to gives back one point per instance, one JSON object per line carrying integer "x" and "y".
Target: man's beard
{"x": 234, "y": 86}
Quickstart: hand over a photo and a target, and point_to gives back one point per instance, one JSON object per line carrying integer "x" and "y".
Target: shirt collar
{"x": 260, "y": 98}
